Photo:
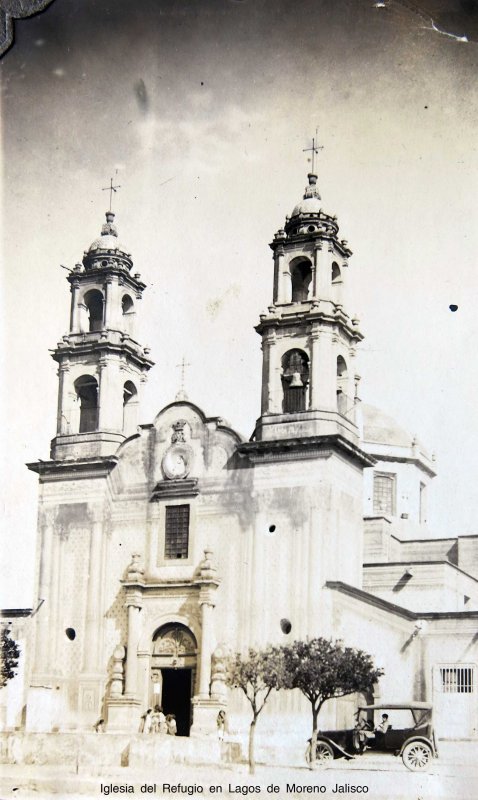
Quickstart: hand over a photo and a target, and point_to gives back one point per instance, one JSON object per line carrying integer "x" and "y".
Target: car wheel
{"x": 323, "y": 752}
{"x": 417, "y": 756}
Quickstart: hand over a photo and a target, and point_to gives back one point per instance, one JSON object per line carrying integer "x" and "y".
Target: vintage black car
{"x": 400, "y": 729}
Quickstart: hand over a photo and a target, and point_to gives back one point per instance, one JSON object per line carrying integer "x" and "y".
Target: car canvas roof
{"x": 391, "y": 706}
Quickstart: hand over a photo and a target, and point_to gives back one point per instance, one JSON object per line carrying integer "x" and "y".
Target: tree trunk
{"x": 315, "y": 715}
{"x": 252, "y": 730}
{"x": 313, "y": 741}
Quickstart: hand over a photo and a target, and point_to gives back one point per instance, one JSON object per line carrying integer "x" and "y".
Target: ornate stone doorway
{"x": 173, "y": 673}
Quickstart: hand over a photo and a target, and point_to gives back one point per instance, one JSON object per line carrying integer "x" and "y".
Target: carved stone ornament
{"x": 207, "y": 569}
{"x": 176, "y": 642}
{"x": 16, "y": 9}
{"x": 135, "y": 570}
{"x": 117, "y": 672}
{"x": 178, "y": 434}
{"x": 219, "y": 672}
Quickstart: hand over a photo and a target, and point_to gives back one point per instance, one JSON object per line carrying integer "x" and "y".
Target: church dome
{"x": 308, "y": 205}
{"x": 311, "y": 201}
{"x": 109, "y": 237}
{"x": 107, "y": 244}
{"x": 380, "y": 428}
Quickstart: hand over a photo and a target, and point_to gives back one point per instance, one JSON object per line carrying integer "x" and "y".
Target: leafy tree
{"x": 323, "y": 670}
{"x": 257, "y": 674}
{"x": 10, "y": 656}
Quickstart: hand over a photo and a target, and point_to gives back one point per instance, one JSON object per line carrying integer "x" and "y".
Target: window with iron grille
{"x": 384, "y": 493}
{"x": 457, "y": 680}
{"x": 176, "y": 540}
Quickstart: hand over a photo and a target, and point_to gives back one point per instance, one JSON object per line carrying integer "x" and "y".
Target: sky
{"x": 201, "y": 111}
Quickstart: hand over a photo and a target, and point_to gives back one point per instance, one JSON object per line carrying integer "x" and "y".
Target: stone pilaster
{"x": 43, "y": 619}
{"x": 206, "y": 707}
{"x": 62, "y": 419}
{"x": 74, "y": 321}
{"x": 268, "y": 343}
{"x": 314, "y": 369}
{"x": 93, "y": 602}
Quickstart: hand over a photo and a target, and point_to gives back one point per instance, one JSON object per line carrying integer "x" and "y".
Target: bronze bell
{"x": 296, "y": 381}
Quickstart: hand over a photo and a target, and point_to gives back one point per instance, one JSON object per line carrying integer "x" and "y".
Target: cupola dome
{"x": 107, "y": 245}
{"x": 311, "y": 201}
{"x": 109, "y": 237}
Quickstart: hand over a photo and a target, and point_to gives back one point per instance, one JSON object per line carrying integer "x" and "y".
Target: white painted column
{"x": 93, "y": 600}
{"x": 131, "y": 682}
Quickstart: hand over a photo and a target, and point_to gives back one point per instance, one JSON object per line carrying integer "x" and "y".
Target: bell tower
{"x": 309, "y": 385}
{"x": 101, "y": 366}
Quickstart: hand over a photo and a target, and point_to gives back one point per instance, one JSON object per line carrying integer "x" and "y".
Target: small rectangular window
{"x": 176, "y": 539}
{"x": 384, "y": 493}
{"x": 457, "y": 679}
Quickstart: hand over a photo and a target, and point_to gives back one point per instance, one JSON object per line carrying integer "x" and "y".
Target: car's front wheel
{"x": 323, "y": 753}
{"x": 417, "y": 756}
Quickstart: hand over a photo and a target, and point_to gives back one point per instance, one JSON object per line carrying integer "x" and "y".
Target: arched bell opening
{"x": 86, "y": 388}
{"x": 342, "y": 379}
{"x": 301, "y": 277}
{"x": 130, "y": 408}
{"x": 128, "y": 313}
{"x": 336, "y": 273}
{"x": 93, "y": 300}
{"x": 295, "y": 381}
{"x": 173, "y": 673}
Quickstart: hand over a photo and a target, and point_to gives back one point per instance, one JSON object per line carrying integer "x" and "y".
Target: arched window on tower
{"x": 295, "y": 379}
{"x": 93, "y": 301}
{"x": 301, "y": 276}
{"x": 86, "y": 389}
{"x": 130, "y": 408}
{"x": 127, "y": 308}
{"x": 342, "y": 376}
{"x": 336, "y": 274}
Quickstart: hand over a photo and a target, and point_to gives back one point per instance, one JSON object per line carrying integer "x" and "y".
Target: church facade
{"x": 162, "y": 547}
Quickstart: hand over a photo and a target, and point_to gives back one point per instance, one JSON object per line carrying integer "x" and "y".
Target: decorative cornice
{"x": 307, "y": 314}
{"x": 187, "y": 487}
{"x": 101, "y": 274}
{"x": 99, "y": 343}
{"x": 96, "y": 467}
{"x": 303, "y": 447}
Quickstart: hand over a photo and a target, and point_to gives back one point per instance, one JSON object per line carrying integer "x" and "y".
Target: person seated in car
{"x": 384, "y": 725}
{"x": 362, "y": 732}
